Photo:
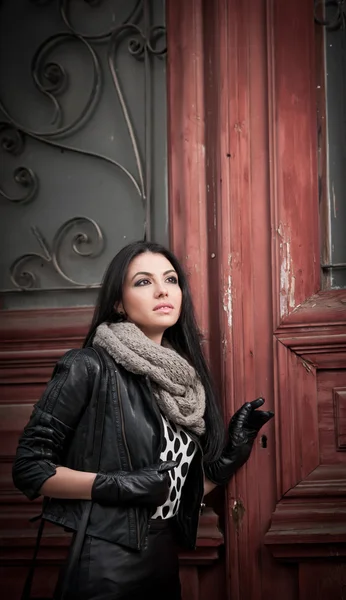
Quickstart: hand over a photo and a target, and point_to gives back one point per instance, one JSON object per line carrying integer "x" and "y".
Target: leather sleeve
{"x": 52, "y": 423}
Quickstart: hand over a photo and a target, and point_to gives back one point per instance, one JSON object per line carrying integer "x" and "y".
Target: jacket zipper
{"x": 127, "y": 451}
{"x": 157, "y": 412}
{"x": 202, "y": 497}
{"x": 159, "y": 420}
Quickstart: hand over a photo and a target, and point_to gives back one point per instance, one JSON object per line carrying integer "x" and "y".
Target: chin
{"x": 165, "y": 321}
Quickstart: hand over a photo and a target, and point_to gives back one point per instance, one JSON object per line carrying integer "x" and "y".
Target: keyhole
{"x": 264, "y": 440}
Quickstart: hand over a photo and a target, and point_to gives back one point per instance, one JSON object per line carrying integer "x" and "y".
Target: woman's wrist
{"x": 209, "y": 486}
{"x": 69, "y": 484}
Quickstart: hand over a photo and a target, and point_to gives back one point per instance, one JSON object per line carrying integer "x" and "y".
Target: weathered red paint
{"x": 237, "y": 153}
{"x": 293, "y": 153}
{"x": 188, "y": 199}
{"x": 186, "y": 147}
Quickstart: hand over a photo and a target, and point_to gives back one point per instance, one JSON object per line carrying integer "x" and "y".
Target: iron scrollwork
{"x": 26, "y": 280}
{"x": 331, "y": 14}
{"x": 12, "y": 141}
{"x": 51, "y": 79}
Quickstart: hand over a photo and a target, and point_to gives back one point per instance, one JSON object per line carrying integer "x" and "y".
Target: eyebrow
{"x": 151, "y": 275}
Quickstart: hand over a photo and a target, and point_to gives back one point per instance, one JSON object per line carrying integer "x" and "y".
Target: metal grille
{"x": 83, "y": 142}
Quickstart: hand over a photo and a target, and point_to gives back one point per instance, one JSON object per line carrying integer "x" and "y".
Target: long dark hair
{"x": 184, "y": 336}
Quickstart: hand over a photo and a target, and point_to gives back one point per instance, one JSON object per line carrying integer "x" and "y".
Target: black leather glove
{"x": 242, "y": 432}
{"x": 146, "y": 487}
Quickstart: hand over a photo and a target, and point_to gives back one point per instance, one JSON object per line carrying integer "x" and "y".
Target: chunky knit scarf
{"x": 176, "y": 385}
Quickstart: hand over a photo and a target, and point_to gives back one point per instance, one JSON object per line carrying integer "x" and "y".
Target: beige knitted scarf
{"x": 176, "y": 385}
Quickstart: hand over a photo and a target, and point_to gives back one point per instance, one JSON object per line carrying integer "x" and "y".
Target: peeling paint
{"x": 237, "y": 513}
{"x": 238, "y": 127}
{"x": 334, "y": 200}
{"x": 224, "y": 344}
{"x": 297, "y": 307}
{"x": 287, "y": 279}
{"x": 307, "y": 366}
{"x": 227, "y": 301}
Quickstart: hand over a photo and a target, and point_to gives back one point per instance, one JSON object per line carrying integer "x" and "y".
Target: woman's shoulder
{"x": 86, "y": 358}
{"x": 93, "y": 358}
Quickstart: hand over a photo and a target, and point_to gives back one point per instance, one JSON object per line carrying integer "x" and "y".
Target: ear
{"x": 119, "y": 309}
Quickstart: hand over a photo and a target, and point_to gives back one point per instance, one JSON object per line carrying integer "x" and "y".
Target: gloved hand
{"x": 242, "y": 432}
{"x": 146, "y": 487}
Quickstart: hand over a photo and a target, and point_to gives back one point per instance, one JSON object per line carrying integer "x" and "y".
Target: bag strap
{"x": 95, "y": 464}
{"x": 28, "y": 582}
{"x": 75, "y": 551}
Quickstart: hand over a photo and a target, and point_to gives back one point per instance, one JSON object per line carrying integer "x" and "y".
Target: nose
{"x": 161, "y": 291}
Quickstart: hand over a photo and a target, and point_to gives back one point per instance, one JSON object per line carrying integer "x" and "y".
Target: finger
{"x": 259, "y": 418}
{"x": 239, "y": 417}
{"x": 167, "y": 466}
{"x": 257, "y": 403}
{"x": 266, "y": 415}
{"x": 244, "y": 410}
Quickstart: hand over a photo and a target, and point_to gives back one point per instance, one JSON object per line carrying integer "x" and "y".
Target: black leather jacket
{"x": 61, "y": 431}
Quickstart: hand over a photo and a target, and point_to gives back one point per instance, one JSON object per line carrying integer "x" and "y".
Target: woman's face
{"x": 151, "y": 294}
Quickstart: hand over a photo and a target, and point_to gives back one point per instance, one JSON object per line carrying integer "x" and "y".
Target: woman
{"x": 162, "y": 436}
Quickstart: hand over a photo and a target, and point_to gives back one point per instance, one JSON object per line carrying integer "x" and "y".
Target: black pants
{"x": 111, "y": 572}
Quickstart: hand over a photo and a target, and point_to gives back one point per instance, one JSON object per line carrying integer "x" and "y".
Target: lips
{"x": 164, "y": 307}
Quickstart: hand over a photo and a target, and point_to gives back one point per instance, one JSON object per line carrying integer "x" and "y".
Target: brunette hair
{"x": 184, "y": 336}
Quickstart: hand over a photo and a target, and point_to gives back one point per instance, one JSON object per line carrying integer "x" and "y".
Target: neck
{"x": 154, "y": 336}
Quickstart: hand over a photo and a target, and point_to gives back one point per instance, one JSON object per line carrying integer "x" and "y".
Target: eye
{"x": 142, "y": 282}
{"x": 172, "y": 279}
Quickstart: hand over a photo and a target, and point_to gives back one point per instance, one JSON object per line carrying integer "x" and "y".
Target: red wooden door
{"x": 308, "y": 525}
{"x": 250, "y": 238}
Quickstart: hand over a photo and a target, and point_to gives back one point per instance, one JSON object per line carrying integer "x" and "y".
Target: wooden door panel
{"x": 339, "y": 398}
{"x": 332, "y": 416}
{"x": 310, "y": 516}
{"x": 322, "y": 581}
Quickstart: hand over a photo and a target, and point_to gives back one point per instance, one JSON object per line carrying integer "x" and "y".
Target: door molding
{"x": 310, "y": 517}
